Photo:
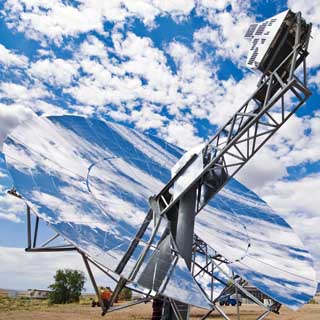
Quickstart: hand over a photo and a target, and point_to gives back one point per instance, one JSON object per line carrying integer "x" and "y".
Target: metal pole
{"x": 29, "y": 227}
{"x": 185, "y": 225}
{"x": 242, "y": 289}
{"x": 184, "y": 236}
{"x": 35, "y": 232}
{"x": 237, "y": 297}
{"x": 57, "y": 235}
{"x": 144, "y": 300}
{"x": 134, "y": 243}
{"x": 266, "y": 313}
{"x": 296, "y": 44}
{"x": 93, "y": 281}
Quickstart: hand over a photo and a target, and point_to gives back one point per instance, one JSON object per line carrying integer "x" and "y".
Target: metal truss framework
{"x": 235, "y": 284}
{"x": 213, "y": 262}
{"x": 229, "y": 150}
{"x": 251, "y": 126}
{"x": 47, "y": 246}
{"x": 278, "y": 96}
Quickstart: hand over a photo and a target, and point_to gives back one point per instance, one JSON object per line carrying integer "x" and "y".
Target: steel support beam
{"x": 184, "y": 236}
{"x": 29, "y": 227}
{"x": 93, "y": 281}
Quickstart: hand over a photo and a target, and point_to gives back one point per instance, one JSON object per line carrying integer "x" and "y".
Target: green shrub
{"x": 125, "y": 294}
{"x": 313, "y": 301}
{"x": 67, "y": 287}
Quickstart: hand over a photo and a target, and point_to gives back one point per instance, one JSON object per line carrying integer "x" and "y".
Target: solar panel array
{"x": 262, "y": 35}
{"x": 90, "y": 180}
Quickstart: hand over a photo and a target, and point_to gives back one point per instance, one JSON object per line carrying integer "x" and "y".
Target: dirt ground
{"x": 85, "y": 312}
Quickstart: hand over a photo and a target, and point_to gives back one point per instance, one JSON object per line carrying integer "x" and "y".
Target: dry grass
{"x": 35, "y": 310}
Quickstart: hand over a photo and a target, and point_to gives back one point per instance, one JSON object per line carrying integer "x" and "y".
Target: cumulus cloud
{"x": 54, "y": 20}
{"x": 181, "y": 133}
{"x": 30, "y": 95}
{"x": 289, "y": 147}
{"x": 39, "y": 268}
{"x": 11, "y": 208}
{"x": 147, "y": 118}
{"x": 315, "y": 79}
{"x": 217, "y": 4}
{"x": 311, "y": 12}
{"x": 56, "y": 71}
{"x": 142, "y": 76}
{"x": 8, "y": 58}
{"x": 226, "y": 30}
{"x": 19, "y": 92}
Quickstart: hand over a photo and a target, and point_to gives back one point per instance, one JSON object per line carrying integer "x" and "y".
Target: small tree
{"x": 67, "y": 286}
{"x": 125, "y": 294}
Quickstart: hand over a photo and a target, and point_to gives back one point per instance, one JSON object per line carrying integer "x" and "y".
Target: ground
{"x": 26, "y": 310}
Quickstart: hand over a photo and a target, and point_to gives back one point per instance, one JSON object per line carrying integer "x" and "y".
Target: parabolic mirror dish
{"x": 91, "y": 180}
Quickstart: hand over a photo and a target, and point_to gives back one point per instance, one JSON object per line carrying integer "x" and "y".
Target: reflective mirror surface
{"x": 91, "y": 180}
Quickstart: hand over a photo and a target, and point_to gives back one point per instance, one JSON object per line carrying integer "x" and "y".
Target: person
{"x": 157, "y": 306}
{"x": 106, "y": 296}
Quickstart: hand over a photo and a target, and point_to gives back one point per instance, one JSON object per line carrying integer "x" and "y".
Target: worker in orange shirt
{"x": 106, "y": 296}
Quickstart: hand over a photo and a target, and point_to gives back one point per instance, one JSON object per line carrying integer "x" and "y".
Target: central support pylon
{"x": 182, "y": 229}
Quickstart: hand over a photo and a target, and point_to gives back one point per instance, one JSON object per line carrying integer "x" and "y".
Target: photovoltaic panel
{"x": 91, "y": 179}
{"x": 262, "y": 35}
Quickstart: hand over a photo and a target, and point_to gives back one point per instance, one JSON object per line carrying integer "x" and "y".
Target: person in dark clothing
{"x": 157, "y": 306}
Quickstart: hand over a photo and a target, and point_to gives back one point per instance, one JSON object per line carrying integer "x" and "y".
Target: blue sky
{"x": 175, "y": 69}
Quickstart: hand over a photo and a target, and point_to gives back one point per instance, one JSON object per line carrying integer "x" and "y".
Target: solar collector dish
{"x": 91, "y": 179}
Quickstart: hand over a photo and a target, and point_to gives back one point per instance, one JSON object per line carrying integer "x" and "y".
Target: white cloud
{"x": 46, "y": 109}
{"x": 181, "y": 133}
{"x": 310, "y": 9}
{"x": 296, "y": 196}
{"x": 30, "y": 97}
{"x": 216, "y": 4}
{"x": 8, "y": 58}
{"x": 54, "y": 19}
{"x": 92, "y": 47}
{"x": 56, "y": 71}
{"x": 227, "y": 28}
{"x": 230, "y": 96}
{"x": 315, "y": 79}
{"x": 20, "y": 93}
{"x": 39, "y": 268}
{"x": 143, "y": 77}
{"x": 311, "y": 13}
{"x": 147, "y": 118}
{"x": 288, "y": 147}
{"x": 179, "y": 7}
{"x": 231, "y": 46}
{"x": 263, "y": 170}
{"x": 294, "y": 147}
{"x": 11, "y": 208}
{"x": 207, "y": 35}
